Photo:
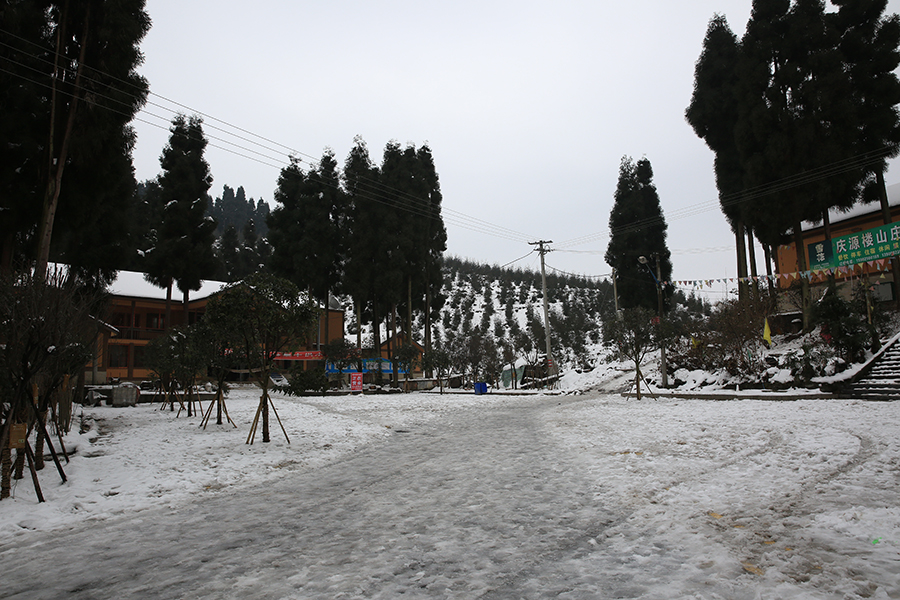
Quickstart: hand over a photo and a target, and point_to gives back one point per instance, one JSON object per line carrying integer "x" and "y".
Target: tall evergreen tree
{"x": 184, "y": 247}
{"x": 229, "y": 254}
{"x": 397, "y": 244}
{"x": 435, "y": 241}
{"x": 638, "y": 228}
{"x": 68, "y": 92}
{"x": 306, "y": 229}
{"x": 809, "y": 105}
{"x": 365, "y": 230}
{"x": 796, "y": 118}
{"x": 713, "y": 114}
{"x": 870, "y": 43}
{"x": 405, "y": 205}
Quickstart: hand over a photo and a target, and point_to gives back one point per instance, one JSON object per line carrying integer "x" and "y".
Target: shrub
{"x": 302, "y": 382}
{"x": 842, "y": 324}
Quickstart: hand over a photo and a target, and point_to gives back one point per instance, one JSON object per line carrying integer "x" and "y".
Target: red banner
{"x": 304, "y": 355}
{"x": 356, "y": 382}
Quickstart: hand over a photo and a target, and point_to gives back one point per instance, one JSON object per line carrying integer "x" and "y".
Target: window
{"x": 155, "y": 321}
{"x": 121, "y": 319}
{"x": 139, "y": 354}
{"x": 118, "y": 356}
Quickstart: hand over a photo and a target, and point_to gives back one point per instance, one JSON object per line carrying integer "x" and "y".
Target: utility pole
{"x": 551, "y": 366}
{"x": 662, "y": 344}
{"x": 659, "y": 295}
{"x": 615, "y": 292}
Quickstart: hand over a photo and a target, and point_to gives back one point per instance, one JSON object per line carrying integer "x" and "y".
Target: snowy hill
{"x": 497, "y": 314}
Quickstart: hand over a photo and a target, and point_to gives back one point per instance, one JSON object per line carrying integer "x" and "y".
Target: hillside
{"x": 493, "y": 316}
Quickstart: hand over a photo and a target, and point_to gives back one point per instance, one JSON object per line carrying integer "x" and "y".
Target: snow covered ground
{"x": 584, "y": 495}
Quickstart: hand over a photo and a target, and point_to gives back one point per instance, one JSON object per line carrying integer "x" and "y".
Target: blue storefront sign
{"x": 370, "y": 365}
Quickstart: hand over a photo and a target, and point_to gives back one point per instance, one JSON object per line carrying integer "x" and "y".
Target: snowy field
{"x": 660, "y": 499}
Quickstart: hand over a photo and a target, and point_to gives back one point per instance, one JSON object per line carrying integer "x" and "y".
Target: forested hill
{"x": 503, "y": 308}
{"x": 493, "y": 315}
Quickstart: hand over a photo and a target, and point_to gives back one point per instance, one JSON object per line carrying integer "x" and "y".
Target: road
{"x": 486, "y": 506}
{"x": 573, "y": 498}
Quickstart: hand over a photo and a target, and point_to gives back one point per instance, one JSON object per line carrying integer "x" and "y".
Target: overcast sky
{"x": 528, "y": 108}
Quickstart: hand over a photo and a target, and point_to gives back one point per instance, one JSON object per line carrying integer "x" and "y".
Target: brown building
{"x": 861, "y": 247}
{"x": 391, "y": 345}
{"x": 137, "y": 315}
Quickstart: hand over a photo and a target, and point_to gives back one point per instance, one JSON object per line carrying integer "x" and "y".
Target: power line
{"x": 577, "y": 275}
{"x": 517, "y": 260}
{"x": 378, "y": 191}
{"x": 733, "y": 199}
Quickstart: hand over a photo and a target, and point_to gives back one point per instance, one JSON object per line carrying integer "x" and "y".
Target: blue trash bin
{"x": 481, "y": 388}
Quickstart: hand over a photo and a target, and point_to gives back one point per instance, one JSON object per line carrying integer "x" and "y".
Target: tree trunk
{"x": 168, "y": 318}
{"x": 826, "y": 223}
{"x": 751, "y": 254}
{"x": 5, "y": 471}
{"x": 5, "y": 456}
{"x": 19, "y": 470}
{"x": 58, "y": 163}
{"x": 409, "y": 311}
{"x": 39, "y": 445}
{"x": 358, "y": 323}
{"x": 327, "y": 316}
{"x": 430, "y": 373}
{"x": 265, "y": 413}
{"x": 376, "y": 339}
{"x": 767, "y": 252}
{"x": 185, "y": 303}
{"x": 395, "y": 380}
{"x": 741, "y": 260}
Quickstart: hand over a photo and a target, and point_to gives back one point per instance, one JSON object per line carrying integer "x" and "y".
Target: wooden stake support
{"x": 219, "y": 401}
{"x": 265, "y": 398}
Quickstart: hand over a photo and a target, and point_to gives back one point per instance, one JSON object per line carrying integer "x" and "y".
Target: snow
{"x": 133, "y": 285}
{"x": 858, "y": 209}
{"x": 581, "y": 493}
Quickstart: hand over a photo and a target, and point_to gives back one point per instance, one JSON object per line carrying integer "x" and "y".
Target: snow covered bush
{"x": 843, "y": 324}
{"x": 811, "y": 360}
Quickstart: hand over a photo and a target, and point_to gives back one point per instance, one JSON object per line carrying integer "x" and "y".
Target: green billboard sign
{"x": 854, "y": 248}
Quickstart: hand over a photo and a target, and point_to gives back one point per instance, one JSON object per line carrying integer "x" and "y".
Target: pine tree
{"x": 870, "y": 43}
{"x": 261, "y": 216}
{"x": 796, "y": 116}
{"x": 68, "y": 92}
{"x": 306, "y": 229}
{"x": 229, "y": 254}
{"x": 713, "y": 114}
{"x": 435, "y": 241}
{"x": 184, "y": 246}
{"x": 364, "y": 231}
{"x": 638, "y": 228}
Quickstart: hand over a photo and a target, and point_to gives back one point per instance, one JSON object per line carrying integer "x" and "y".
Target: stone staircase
{"x": 881, "y": 379}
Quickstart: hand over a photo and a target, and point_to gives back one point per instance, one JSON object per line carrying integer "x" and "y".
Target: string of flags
{"x": 813, "y": 275}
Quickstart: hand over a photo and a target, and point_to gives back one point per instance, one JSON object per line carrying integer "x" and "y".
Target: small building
{"x": 392, "y": 344}
{"x": 137, "y": 316}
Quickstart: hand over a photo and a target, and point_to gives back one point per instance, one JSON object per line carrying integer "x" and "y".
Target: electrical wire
{"x": 608, "y": 275}
{"x": 733, "y": 199}
{"x": 517, "y": 260}
{"x": 378, "y": 191}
